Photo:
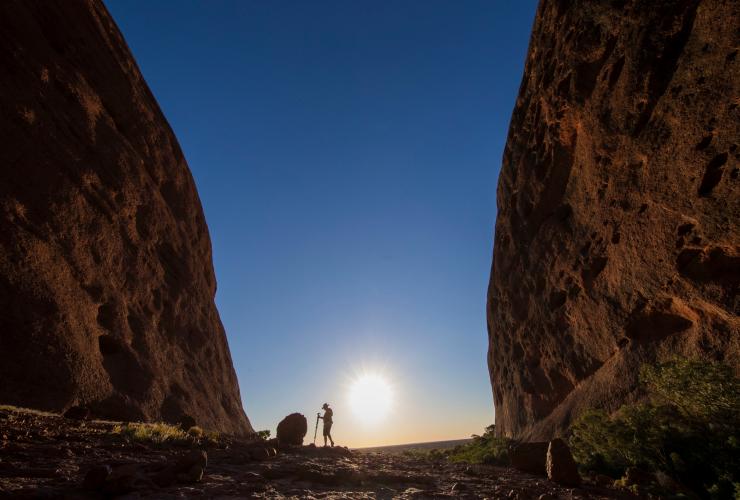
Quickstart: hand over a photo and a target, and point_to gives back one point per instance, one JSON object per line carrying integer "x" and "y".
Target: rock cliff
{"x": 618, "y": 231}
{"x": 106, "y": 278}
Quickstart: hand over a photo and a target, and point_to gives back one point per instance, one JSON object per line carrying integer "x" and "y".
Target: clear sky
{"x": 346, "y": 154}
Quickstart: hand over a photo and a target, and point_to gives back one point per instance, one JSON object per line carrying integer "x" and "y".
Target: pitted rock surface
{"x": 618, "y": 229}
{"x": 106, "y": 277}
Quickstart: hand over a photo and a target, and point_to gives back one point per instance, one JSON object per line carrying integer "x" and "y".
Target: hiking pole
{"x": 316, "y": 429}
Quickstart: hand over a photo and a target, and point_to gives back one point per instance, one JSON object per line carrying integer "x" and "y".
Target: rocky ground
{"x": 49, "y": 456}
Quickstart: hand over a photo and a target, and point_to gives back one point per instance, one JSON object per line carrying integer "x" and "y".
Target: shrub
{"x": 485, "y": 449}
{"x": 157, "y": 433}
{"x": 689, "y": 429}
{"x": 265, "y": 435}
{"x": 195, "y": 432}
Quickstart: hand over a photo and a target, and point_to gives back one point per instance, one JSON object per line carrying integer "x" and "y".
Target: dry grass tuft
{"x": 31, "y": 411}
{"x": 157, "y": 433}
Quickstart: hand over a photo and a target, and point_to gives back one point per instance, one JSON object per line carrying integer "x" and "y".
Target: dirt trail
{"x": 48, "y": 456}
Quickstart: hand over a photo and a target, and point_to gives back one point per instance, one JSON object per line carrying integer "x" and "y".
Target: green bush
{"x": 689, "y": 429}
{"x": 265, "y": 435}
{"x": 485, "y": 449}
{"x": 159, "y": 433}
{"x": 156, "y": 433}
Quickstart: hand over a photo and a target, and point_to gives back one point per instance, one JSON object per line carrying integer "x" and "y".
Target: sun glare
{"x": 370, "y": 397}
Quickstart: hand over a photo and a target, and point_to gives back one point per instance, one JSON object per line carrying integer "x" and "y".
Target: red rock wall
{"x": 618, "y": 230}
{"x": 106, "y": 278}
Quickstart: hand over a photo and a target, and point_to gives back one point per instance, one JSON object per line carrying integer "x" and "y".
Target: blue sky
{"x": 346, "y": 154}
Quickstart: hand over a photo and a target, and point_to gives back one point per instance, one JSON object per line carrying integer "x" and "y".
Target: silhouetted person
{"x": 327, "y": 418}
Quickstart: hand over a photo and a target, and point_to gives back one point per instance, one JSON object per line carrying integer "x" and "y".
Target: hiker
{"x": 327, "y": 418}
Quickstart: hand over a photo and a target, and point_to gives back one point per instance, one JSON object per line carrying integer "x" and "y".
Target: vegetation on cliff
{"x": 688, "y": 430}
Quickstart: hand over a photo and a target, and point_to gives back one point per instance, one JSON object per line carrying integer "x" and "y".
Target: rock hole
{"x": 94, "y": 291}
{"x": 616, "y": 71}
{"x": 563, "y": 212}
{"x": 107, "y": 316}
{"x": 563, "y": 88}
{"x": 108, "y": 345}
{"x": 712, "y": 174}
{"x": 704, "y": 142}
{"x": 684, "y": 229}
{"x": 643, "y": 207}
{"x": 558, "y": 298}
{"x": 135, "y": 324}
{"x": 731, "y": 56}
{"x": 590, "y": 274}
{"x": 734, "y": 173}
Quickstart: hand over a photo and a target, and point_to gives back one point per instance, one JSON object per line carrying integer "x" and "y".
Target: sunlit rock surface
{"x": 106, "y": 279}
{"x": 618, "y": 229}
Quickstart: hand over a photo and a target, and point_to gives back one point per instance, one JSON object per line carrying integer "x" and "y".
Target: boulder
{"x": 530, "y": 457}
{"x": 561, "y": 468}
{"x": 292, "y": 429}
{"x": 105, "y": 256}
{"x": 617, "y": 240}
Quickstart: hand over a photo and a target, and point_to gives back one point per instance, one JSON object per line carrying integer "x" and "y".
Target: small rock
{"x": 195, "y": 457}
{"x": 193, "y": 475}
{"x": 259, "y": 453}
{"x": 77, "y": 413}
{"x": 188, "y": 468}
{"x": 96, "y": 476}
{"x": 561, "y": 468}
{"x": 123, "y": 479}
{"x": 547, "y": 496}
{"x": 530, "y": 457}
{"x": 458, "y": 488}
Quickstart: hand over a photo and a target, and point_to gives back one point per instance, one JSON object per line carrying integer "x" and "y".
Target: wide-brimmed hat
{"x": 325, "y": 406}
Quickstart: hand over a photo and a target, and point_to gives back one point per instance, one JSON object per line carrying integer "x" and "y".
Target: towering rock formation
{"x": 618, "y": 230}
{"x": 106, "y": 279}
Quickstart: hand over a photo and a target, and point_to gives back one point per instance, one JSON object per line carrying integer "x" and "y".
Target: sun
{"x": 370, "y": 398}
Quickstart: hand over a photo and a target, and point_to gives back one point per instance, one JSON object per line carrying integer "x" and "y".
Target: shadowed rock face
{"x": 618, "y": 229}
{"x": 106, "y": 279}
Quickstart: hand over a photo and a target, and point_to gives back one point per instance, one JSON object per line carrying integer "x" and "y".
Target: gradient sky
{"x": 346, "y": 154}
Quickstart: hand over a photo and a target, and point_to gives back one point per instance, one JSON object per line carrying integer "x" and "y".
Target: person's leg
{"x": 328, "y": 433}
